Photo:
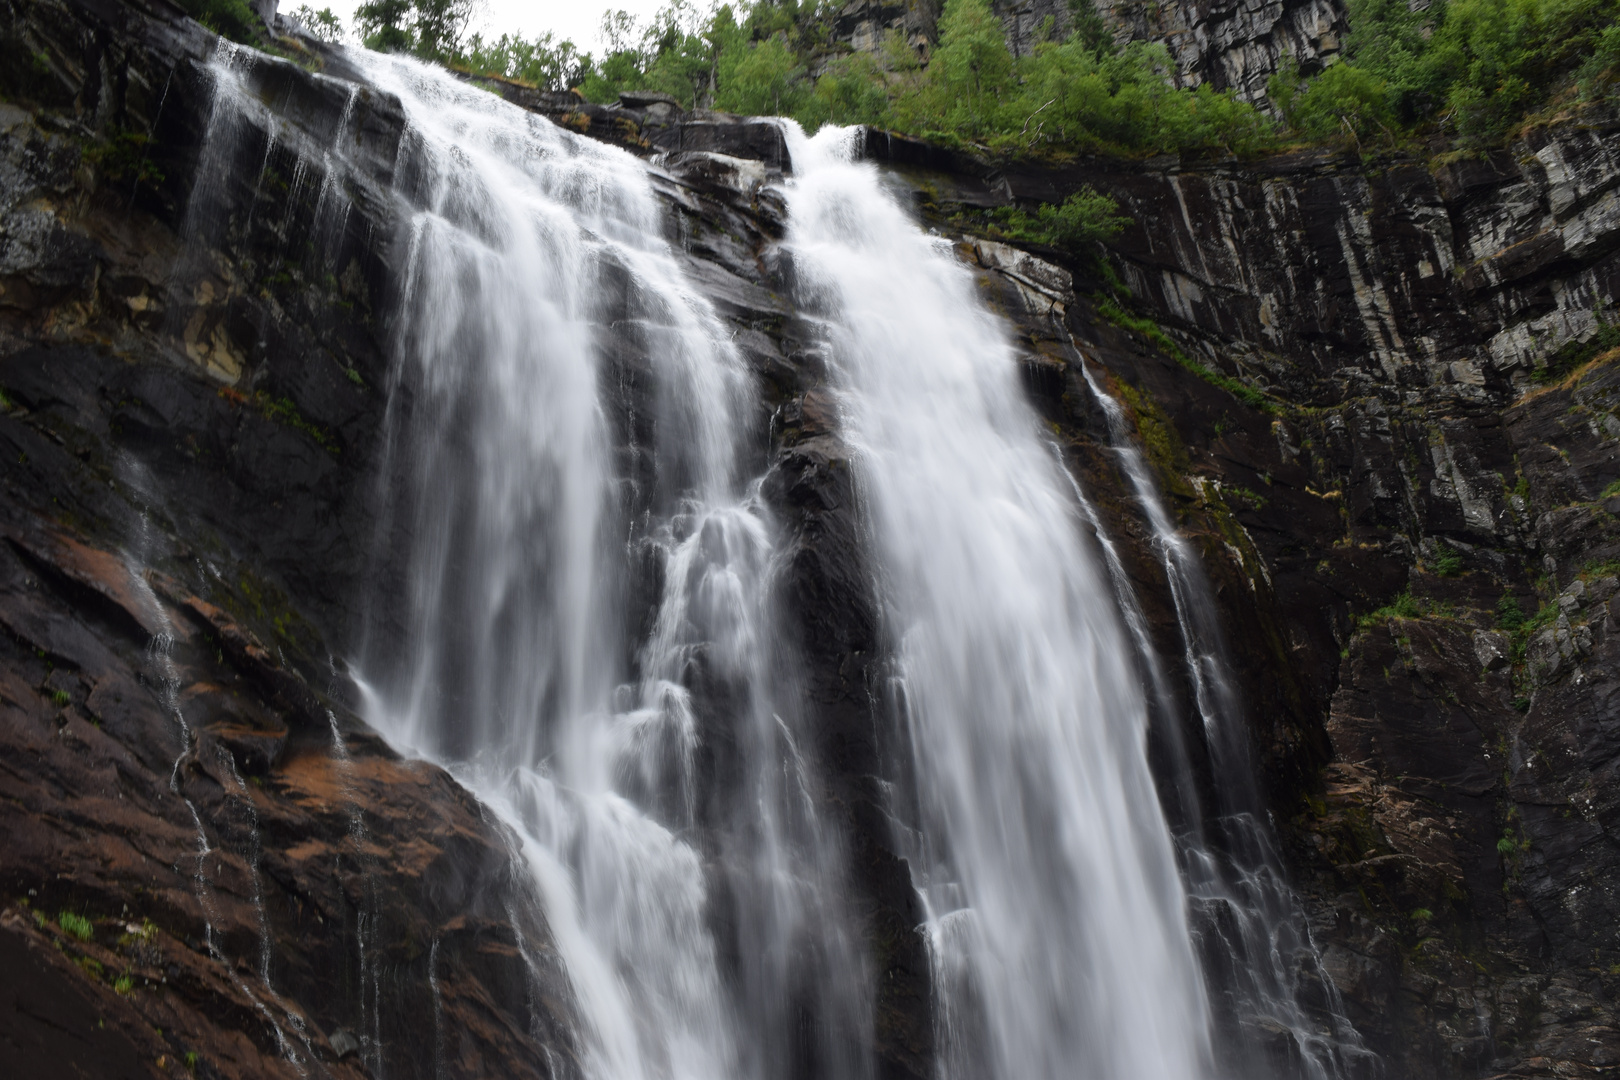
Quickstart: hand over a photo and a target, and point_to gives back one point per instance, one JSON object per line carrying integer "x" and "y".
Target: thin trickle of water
{"x": 1056, "y": 911}
{"x": 159, "y": 652}
{"x": 438, "y": 1008}
{"x": 255, "y": 851}
{"x": 369, "y": 911}
{"x": 1261, "y": 938}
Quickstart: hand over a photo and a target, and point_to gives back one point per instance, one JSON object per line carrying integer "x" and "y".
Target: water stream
{"x": 654, "y": 775}
{"x": 572, "y": 610}
{"x": 1055, "y": 907}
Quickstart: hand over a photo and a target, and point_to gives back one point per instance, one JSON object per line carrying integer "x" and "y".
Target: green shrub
{"x": 1476, "y": 68}
{"x": 853, "y": 90}
{"x": 1404, "y": 606}
{"x": 432, "y": 29}
{"x": 1574, "y": 354}
{"x": 1479, "y": 67}
{"x": 1110, "y": 310}
{"x": 1081, "y": 220}
{"x": 761, "y": 79}
{"x": 228, "y": 18}
{"x": 1448, "y": 561}
{"x": 122, "y": 156}
{"x": 544, "y": 62}
{"x": 1343, "y": 100}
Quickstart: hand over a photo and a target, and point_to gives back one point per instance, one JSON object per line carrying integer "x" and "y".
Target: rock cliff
{"x": 1231, "y": 44}
{"x": 1410, "y": 532}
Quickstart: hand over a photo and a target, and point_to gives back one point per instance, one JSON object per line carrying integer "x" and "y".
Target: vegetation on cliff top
{"x": 1471, "y": 70}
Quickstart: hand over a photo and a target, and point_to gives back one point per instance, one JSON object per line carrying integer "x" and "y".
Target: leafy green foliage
{"x": 677, "y": 53}
{"x": 851, "y": 91}
{"x": 1448, "y": 561}
{"x": 1341, "y": 100}
{"x": 1149, "y": 329}
{"x": 432, "y": 29}
{"x": 1576, "y": 354}
{"x": 761, "y": 79}
{"x": 759, "y": 59}
{"x": 228, "y": 18}
{"x": 1088, "y": 27}
{"x": 1080, "y": 221}
{"x": 1067, "y": 95}
{"x": 122, "y": 156}
{"x": 283, "y": 411}
{"x": 969, "y": 75}
{"x": 323, "y": 24}
{"x": 1404, "y": 606}
{"x": 544, "y": 63}
{"x": 1476, "y": 67}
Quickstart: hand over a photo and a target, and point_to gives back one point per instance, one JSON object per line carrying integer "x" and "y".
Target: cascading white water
{"x": 534, "y": 283}
{"x": 1056, "y": 912}
{"x": 516, "y": 233}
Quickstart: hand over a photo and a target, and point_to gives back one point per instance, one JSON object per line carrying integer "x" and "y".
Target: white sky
{"x": 576, "y": 19}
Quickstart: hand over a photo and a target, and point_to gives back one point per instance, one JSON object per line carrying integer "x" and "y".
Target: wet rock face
{"x": 264, "y": 882}
{"x": 188, "y": 443}
{"x": 211, "y": 866}
{"x": 866, "y": 23}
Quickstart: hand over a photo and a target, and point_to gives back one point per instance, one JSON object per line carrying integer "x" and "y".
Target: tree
{"x": 962, "y": 90}
{"x": 544, "y": 62}
{"x": 323, "y": 24}
{"x": 762, "y": 79}
{"x": 1088, "y": 27}
{"x": 432, "y": 29}
{"x": 382, "y": 25}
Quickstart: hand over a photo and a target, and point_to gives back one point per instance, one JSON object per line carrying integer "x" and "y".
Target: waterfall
{"x": 571, "y": 608}
{"x": 584, "y": 597}
{"x": 1055, "y": 909}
